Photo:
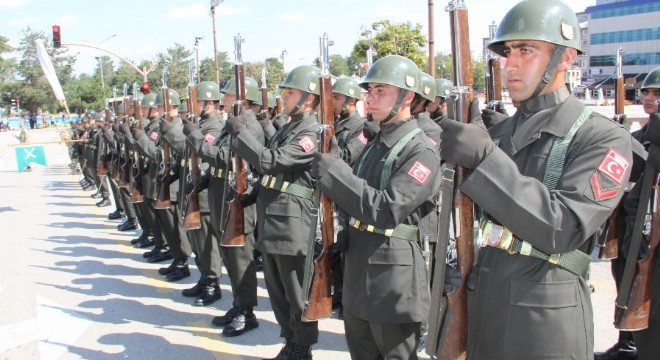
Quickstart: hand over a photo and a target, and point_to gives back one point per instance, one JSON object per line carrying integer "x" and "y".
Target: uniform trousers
{"x": 154, "y": 220}
{"x": 144, "y": 216}
{"x": 125, "y": 196}
{"x": 378, "y": 341}
{"x": 284, "y": 276}
{"x": 173, "y": 233}
{"x": 239, "y": 261}
{"x": 119, "y": 204}
{"x": 648, "y": 340}
{"x": 206, "y": 249}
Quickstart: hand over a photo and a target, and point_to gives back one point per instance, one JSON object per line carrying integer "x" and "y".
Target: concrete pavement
{"x": 74, "y": 288}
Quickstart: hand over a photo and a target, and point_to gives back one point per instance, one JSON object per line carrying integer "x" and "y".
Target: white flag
{"x": 49, "y": 70}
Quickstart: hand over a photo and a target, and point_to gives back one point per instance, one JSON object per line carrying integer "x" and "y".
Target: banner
{"x": 49, "y": 72}
{"x": 29, "y": 154}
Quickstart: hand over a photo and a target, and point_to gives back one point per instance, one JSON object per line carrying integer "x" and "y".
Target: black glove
{"x": 492, "y": 117}
{"x": 321, "y": 162}
{"x": 124, "y": 129}
{"x": 165, "y": 126}
{"x": 371, "y": 129}
{"x": 189, "y": 126}
{"x": 653, "y": 130}
{"x": 475, "y": 113}
{"x": 138, "y": 133}
{"x": 465, "y": 145}
{"x": 236, "y": 124}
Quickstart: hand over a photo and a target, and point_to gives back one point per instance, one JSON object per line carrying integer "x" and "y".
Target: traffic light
{"x": 57, "y": 38}
{"x": 145, "y": 88}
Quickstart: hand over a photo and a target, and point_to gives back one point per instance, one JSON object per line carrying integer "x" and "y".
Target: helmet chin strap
{"x": 203, "y": 114}
{"x": 344, "y": 107}
{"x": 300, "y": 103}
{"x": 397, "y": 106}
{"x": 550, "y": 70}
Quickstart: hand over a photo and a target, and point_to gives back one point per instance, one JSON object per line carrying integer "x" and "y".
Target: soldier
{"x": 438, "y": 108}
{"x": 282, "y": 211}
{"x": 132, "y": 220}
{"x": 386, "y": 297}
{"x": 426, "y": 96}
{"x": 88, "y": 128}
{"x": 97, "y": 155}
{"x": 639, "y": 344}
{"x": 546, "y": 179}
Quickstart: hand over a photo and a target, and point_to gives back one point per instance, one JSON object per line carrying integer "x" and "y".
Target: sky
{"x": 140, "y": 29}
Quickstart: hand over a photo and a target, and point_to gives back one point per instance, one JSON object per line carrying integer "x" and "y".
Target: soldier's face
{"x": 525, "y": 64}
{"x": 381, "y": 99}
{"x": 338, "y": 103}
{"x": 228, "y": 100}
{"x": 650, "y": 98}
{"x": 290, "y": 98}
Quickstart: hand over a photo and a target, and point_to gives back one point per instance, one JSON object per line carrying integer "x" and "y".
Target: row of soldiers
{"x": 544, "y": 180}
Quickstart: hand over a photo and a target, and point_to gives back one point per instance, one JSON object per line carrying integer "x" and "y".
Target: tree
{"x": 175, "y": 60}
{"x": 207, "y": 68}
{"x": 385, "y": 38}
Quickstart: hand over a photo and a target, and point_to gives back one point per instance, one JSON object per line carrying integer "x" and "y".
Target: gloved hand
{"x": 371, "y": 129}
{"x": 465, "y": 145}
{"x": 138, "y": 133}
{"x": 195, "y": 139}
{"x": 189, "y": 126}
{"x": 236, "y": 124}
{"x": 492, "y": 117}
{"x": 124, "y": 128}
{"x": 165, "y": 125}
{"x": 475, "y": 113}
{"x": 321, "y": 162}
{"x": 653, "y": 130}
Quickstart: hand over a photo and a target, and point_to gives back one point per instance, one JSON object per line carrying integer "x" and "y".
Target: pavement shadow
{"x": 69, "y": 204}
{"x": 76, "y": 224}
{"x": 83, "y": 251}
{"x": 104, "y": 286}
{"x": 123, "y": 311}
{"x": 77, "y": 215}
{"x": 79, "y": 239}
{"x": 90, "y": 267}
{"x": 6, "y": 208}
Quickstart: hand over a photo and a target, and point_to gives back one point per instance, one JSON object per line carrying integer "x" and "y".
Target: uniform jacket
{"x": 146, "y": 145}
{"x": 430, "y": 128}
{"x": 177, "y": 143}
{"x": 388, "y": 282}
{"x": 523, "y": 307}
{"x": 351, "y": 141}
{"x": 283, "y": 219}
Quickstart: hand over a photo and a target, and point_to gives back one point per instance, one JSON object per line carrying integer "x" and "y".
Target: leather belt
{"x": 402, "y": 231}
{"x": 219, "y": 172}
{"x": 278, "y": 183}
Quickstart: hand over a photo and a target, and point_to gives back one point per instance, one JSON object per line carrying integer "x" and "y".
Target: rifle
{"x": 125, "y": 168}
{"x": 609, "y": 247}
{"x": 634, "y": 298}
{"x": 450, "y": 340}
{"x": 316, "y": 282}
{"x": 137, "y": 195}
{"x": 193, "y": 218}
{"x": 116, "y": 152}
{"x": 234, "y": 229}
{"x": 163, "y": 200}
{"x": 101, "y": 168}
{"x": 493, "y": 77}
{"x": 263, "y": 114}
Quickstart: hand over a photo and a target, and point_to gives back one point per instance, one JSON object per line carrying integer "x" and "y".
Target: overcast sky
{"x": 143, "y": 28}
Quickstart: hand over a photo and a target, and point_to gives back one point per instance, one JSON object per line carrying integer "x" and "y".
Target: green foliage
{"x": 386, "y": 38}
{"x": 274, "y": 71}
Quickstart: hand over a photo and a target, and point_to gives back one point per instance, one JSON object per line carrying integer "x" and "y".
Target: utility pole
{"x": 431, "y": 41}
{"x": 214, "y": 4}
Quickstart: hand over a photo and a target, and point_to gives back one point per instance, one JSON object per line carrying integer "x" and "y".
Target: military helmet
{"x": 148, "y": 101}
{"x": 427, "y": 87}
{"x": 272, "y": 100}
{"x": 90, "y": 114}
{"x": 304, "y": 78}
{"x": 443, "y": 87}
{"x": 208, "y": 91}
{"x": 175, "y": 100}
{"x": 251, "y": 89}
{"x": 98, "y": 116}
{"x": 347, "y": 87}
{"x": 393, "y": 70}
{"x": 652, "y": 80}
{"x": 551, "y": 21}
{"x": 184, "y": 106}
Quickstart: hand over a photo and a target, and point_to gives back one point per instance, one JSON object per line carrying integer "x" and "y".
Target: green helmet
{"x": 251, "y": 89}
{"x": 347, "y": 87}
{"x": 272, "y": 101}
{"x": 443, "y": 87}
{"x": 90, "y": 114}
{"x": 99, "y": 116}
{"x": 304, "y": 78}
{"x": 175, "y": 100}
{"x": 551, "y": 21}
{"x": 427, "y": 87}
{"x": 208, "y": 91}
{"x": 652, "y": 80}
{"x": 184, "y": 106}
{"x": 393, "y": 70}
{"x": 148, "y": 101}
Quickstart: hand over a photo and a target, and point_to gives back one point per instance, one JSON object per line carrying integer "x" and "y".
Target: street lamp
{"x": 197, "y": 39}
{"x": 108, "y": 38}
{"x": 284, "y": 52}
{"x": 102, "y": 80}
{"x": 214, "y": 4}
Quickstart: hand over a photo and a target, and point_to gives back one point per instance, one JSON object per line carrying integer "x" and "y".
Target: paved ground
{"x": 73, "y": 288}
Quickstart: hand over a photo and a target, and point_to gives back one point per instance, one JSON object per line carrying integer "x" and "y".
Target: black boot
{"x": 144, "y": 236}
{"x": 227, "y": 318}
{"x": 193, "y": 291}
{"x": 243, "y": 322}
{"x": 624, "y": 349}
{"x": 96, "y": 196}
{"x": 301, "y": 352}
{"x": 168, "y": 269}
{"x": 103, "y": 203}
{"x": 181, "y": 271}
{"x": 145, "y": 243}
{"x": 210, "y": 293}
{"x": 117, "y": 214}
{"x": 285, "y": 352}
{"x": 161, "y": 255}
{"x": 130, "y": 224}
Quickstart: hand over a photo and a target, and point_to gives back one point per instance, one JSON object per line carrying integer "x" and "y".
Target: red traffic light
{"x": 57, "y": 37}
{"x": 145, "y": 88}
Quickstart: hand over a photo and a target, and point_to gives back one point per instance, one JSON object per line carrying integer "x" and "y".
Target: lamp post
{"x": 197, "y": 39}
{"x": 214, "y": 4}
{"x": 102, "y": 80}
{"x": 284, "y": 52}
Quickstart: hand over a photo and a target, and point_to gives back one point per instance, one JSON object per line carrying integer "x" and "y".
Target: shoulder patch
{"x": 613, "y": 166}
{"x": 307, "y": 144}
{"x": 153, "y": 136}
{"x": 600, "y": 193}
{"x": 433, "y": 142}
{"x": 209, "y": 138}
{"x": 362, "y": 138}
{"x": 419, "y": 172}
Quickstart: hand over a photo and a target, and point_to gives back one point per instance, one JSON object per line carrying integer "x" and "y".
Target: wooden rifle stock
{"x": 493, "y": 85}
{"x": 126, "y": 166}
{"x": 609, "y": 249}
{"x": 114, "y": 162}
{"x": 234, "y": 233}
{"x": 101, "y": 168}
{"x": 193, "y": 218}
{"x": 137, "y": 195}
{"x": 318, "y": 300}
{"x": 452, "y": 342}
{"x": 163, "y": 200}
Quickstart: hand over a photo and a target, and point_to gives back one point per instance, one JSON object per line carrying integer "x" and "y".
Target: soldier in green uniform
{"x": 283, "y": 211}
{"x": 546, "y": 179}
{"x": 438, "y": 108}
{"x": 426, "y": 92}
{"x": 130, "y": 210}
{"x": 97, "y": 155}
{"x": 386, "y": 296}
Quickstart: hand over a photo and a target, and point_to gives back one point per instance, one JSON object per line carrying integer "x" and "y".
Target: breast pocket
{"x": 542, "y": 321}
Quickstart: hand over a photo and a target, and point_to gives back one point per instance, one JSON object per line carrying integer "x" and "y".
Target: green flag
{"x": 28, "y": 154}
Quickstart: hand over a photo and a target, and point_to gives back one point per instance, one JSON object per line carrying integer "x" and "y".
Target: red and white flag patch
{"x": 307, "y": 144}
{"x": 614, "y": 166}
{"x": 209, "y": 138}
{"x": 419, "y": 172}
{"x": 153, "y": 136}
{"x": 601, "y": 194}
{"x": 363, "y": 138}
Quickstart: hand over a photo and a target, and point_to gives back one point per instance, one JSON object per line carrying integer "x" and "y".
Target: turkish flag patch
{"x": 209, "y": 138}
{"x": 153, "y": 136}
{"x": 601, "y": 194}
{"x": 363, "y": 138}
{"x": 614, "y": 166}
{"x": 419, "y": 172}
{"x": 307, "y": 144}
{"x": 433, "y": 142}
